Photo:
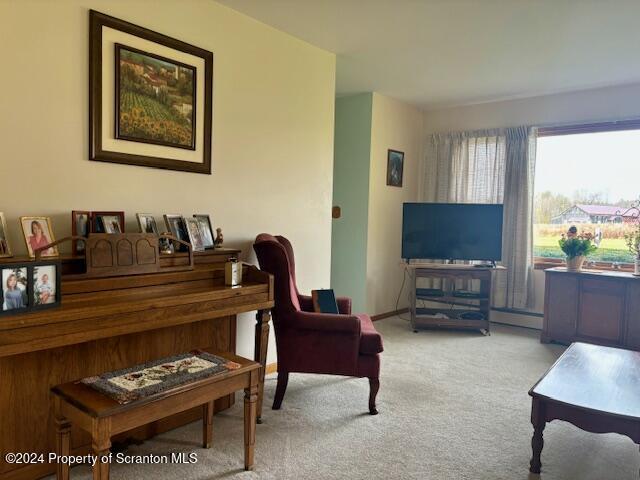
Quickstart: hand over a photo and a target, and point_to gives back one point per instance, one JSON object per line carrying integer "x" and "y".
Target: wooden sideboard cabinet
{"x": 592, "y": 306}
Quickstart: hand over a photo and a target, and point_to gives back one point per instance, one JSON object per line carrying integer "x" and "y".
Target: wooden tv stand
{"x": 448, "y": 297}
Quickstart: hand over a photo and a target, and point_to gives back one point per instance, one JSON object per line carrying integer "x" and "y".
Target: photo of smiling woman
{"x": 14, "y": 288}
{"x": 38, "y": 233}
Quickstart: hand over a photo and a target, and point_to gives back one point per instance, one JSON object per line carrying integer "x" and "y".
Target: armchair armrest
{"x": 344, "y": 304}
{"x": 328, "y": 323}
{"x": 306, "y": 303}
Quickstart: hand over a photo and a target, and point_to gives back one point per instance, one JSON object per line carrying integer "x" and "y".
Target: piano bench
{"x": 102, "y": 417}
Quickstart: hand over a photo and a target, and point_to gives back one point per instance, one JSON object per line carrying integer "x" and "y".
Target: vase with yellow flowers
{"x": 576, "y": 248}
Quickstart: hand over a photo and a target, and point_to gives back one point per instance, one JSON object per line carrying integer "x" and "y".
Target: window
{"x": 588, "y": 177}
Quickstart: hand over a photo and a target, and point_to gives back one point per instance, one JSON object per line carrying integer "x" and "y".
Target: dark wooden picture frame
{"x": 97, "y": 216}
{"x": 119, "y": 135}
{"x": 180, "y": 234}
{"x": 155, "y": 231}
{"x": 205, "y": 222}
{"x": 29, "y": 292}
{"x": 99, "y": 20}
{"x": 78, "y": 245}
{"x": 395, "y": 173}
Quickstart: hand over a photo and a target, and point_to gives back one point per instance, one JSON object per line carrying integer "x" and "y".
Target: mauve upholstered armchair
{"x": 310, "y": 342}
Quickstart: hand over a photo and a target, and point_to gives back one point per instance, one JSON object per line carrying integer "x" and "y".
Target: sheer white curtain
{"x": 491, "y": 166}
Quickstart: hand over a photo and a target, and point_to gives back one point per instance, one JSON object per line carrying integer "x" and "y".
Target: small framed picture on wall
{"x": 395, "y": 167}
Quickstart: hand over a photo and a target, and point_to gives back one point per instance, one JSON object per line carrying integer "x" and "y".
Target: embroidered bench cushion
{"x": 157, "y": 376}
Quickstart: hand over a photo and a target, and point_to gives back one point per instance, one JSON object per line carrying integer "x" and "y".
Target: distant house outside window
{"x": 588, "y": 180}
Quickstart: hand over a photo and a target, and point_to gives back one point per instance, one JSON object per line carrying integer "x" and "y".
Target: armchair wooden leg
{"x": 374, "y": 386}
{"x": 283, "y": 380}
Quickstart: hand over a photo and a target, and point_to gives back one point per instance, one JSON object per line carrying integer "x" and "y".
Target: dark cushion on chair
{"x": 370, "y": 339}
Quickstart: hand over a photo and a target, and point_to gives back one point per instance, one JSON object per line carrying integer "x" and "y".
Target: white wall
{"x": 272, "y": 130}
{"x": 603, "y": 104}
{"x": 613, "y": 103}
{"x": 398, "y": 126}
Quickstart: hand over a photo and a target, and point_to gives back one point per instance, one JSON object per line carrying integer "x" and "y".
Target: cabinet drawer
{"x": 602, "y": 286}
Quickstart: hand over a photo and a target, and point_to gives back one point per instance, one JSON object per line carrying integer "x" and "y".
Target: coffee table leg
{"x": 250, "y": 411}
{"x": 537, "y": 442}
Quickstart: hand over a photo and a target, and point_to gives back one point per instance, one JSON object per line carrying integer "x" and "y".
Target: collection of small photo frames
{"x": 29, "y": 286}
{"x": 84, "y": 222}
{"x": 197, "y": 230}
{"x": 38, "y": 231}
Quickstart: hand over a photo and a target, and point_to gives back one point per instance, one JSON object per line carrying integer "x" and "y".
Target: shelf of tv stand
{"x": 423, "y": 317}
{"x": 453, "y": 300}
{"x": 426, "y": 314}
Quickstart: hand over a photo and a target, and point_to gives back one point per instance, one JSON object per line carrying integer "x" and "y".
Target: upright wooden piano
{"x": 105, "y": 324}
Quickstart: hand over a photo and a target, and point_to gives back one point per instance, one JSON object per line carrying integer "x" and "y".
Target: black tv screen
{"x": 452, "y": 231}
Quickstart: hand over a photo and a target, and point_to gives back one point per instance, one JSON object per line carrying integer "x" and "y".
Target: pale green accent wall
{"x": 352, "y": 151}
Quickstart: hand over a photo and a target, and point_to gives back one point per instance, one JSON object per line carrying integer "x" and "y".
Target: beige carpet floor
{"x": 453, "y": 405}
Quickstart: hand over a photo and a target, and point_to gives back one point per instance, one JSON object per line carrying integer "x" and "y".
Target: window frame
{"x": 542, "y": 263}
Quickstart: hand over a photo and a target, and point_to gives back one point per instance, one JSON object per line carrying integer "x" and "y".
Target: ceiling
{"x": 439, "y": 53}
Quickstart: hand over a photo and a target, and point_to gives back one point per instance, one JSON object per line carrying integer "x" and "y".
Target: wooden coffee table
{"x": 595, "y": 388}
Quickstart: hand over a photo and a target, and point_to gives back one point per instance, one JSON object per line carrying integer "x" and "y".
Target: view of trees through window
{"x": 588, "y": 180}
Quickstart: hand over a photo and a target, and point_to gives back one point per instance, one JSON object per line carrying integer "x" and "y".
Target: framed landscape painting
{"x": 150, "y": 98}
{"x": 154, "y": 99}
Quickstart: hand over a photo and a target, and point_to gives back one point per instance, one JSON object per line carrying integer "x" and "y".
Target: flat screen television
{"x": 452, "y": 231}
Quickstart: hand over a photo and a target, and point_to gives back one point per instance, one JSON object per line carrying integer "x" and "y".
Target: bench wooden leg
{"x": 101, "y": 436}
{"x": 207, "y": 424}
{"x": 250, "y": 412}
{"x": 63, "y": 438}
{"x": 101, "y": 468}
